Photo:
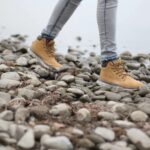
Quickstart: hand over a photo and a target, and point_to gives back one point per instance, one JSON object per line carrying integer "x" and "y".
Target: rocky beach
{"x": 70, "y": 109}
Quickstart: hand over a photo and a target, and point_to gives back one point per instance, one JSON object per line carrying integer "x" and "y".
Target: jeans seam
{"x": 105, "y": 20}
{"x": 67, "y": 3}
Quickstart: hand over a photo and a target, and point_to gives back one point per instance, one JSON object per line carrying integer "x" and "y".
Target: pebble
{"x": 145, "y": 107}
{"x": 22, "y": 61}
{"x": 110, "y": 146}
{"x": 62, "y": 83}
{"x": 39, "y": 93}
{"x": 6, "y": 148}
{"x": 10, "y": 57}
{"x": 35, "y": 82}
{"x": 40, "y": 130}
{"x": 113, "y": 96}
{"x": 139, "y": 138}
{"x": 26, "y": 93}
{"x": 126, "y": 100}
{"x": 27, "y": 140}
{"x": 4, "y": 68}
{"x": 50, "y": 82}
{"x": 86, "y": 143}
{"x": 83, "y": 115}
{"x": 3, "y": 103}
{"x": 59, "y": 142}
{"x": 7, "y": 115}
{"x": 8, "y": 83}
{"x": 51, "y": 88}
{"x": 144, "y": 90}
{"x": 42, "y": 72}
{"x": 21, "y": 115}
{"x": 5, "y": 138}
{"x": 105, "y": 133}
{"x": 107, "y": 116}
{"x": 122, "y": 108}
{"x": 133, "y": 66}
{"x": 17, "y": 131}
{"x": 77, "y": 131}
{"x": 40, "y": 112}
{"x": 124, "y": 123}
{"x": 4, "y": 125}
{"x": 68, "y": 78}
{"x": 85, "y": 98}
{"x": 86, "y": 77}
{"x": 138, "y": 116}
{"x": 75, "y": 91}
{"x": 62, "y": 109}
{"x": 5, "y": 96}
{"x": 71, "y": 57}
{"x": 11, "y": 75}
{"x": 146, "y": 78}
{"x": 33, "y": 61}
{"x": 97, "y": 139}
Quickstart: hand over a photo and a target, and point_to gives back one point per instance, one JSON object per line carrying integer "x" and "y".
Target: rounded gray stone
{"x": 113, "y": 96}
{"x": 8, "y": 83}
{"x": 83, "y": 115}
{"x": 59, "y": 142}
{"x": 139, "y": 138}
{"x": 11, "y": 75}
{"x": 105, "y": 133}
{"x": 61, "y": 110}
{"x": 145, "y": 107}
{"x": 26, "y": 93}
{"x": 27, "y": 140}
{"x": 75, "y": 91}
{"x": 40, "y": 130}
{"x": 138, "y": 116}
{"x": 124, "y": 124}
{"x": 108, "y": 116}
{"x": 22, "y": 61}
{"x": 7, "y": 115}
{"x": 3, "y": 67}
{"x": 68, "y": 78}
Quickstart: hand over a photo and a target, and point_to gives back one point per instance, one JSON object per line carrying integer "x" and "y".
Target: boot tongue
{"x": 51, "y": 50}
{"x": 117, "y": 62}
{"x": 112, "y": 62}
{"x": 50, "y": 43}
{"x": 120, "y": 68}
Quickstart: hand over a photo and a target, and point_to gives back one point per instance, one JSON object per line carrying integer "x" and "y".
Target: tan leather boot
{"x": 45, "y": 53}
{"x": 114, "y": 73}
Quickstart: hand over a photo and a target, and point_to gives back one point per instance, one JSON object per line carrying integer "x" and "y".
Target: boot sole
{"x": 40, "y": 61}
{"x": 106, "y": 84}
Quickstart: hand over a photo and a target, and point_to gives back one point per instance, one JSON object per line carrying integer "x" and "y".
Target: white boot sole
{"x": 109, "y": 85}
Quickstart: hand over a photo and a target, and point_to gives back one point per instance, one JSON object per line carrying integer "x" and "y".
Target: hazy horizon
{"x": 31, "y": 16}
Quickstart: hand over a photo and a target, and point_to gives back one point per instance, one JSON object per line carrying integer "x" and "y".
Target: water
{"x": 31, "y": 16}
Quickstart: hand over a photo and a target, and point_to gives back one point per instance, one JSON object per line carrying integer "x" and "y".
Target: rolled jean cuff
{"x": 46, "y": 36}
{"x": 108, "y": 58}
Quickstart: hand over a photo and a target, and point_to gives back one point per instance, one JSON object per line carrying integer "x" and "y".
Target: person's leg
{"x": 106, "y": 18}
{"x": 43, "y": 46}
{"x": 62, "y": 12}
{"x": 112, "y": 70}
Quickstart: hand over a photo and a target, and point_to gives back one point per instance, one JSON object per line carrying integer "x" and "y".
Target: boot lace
{"x": 119, "y": 69}
{"x": 50, "y": 48}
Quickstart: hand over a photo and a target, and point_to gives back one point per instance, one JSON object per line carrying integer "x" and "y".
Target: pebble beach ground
{"x": 70, "y": 109}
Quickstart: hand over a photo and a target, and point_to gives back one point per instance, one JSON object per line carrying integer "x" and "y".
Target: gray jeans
{"x": 106, "y": 18}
